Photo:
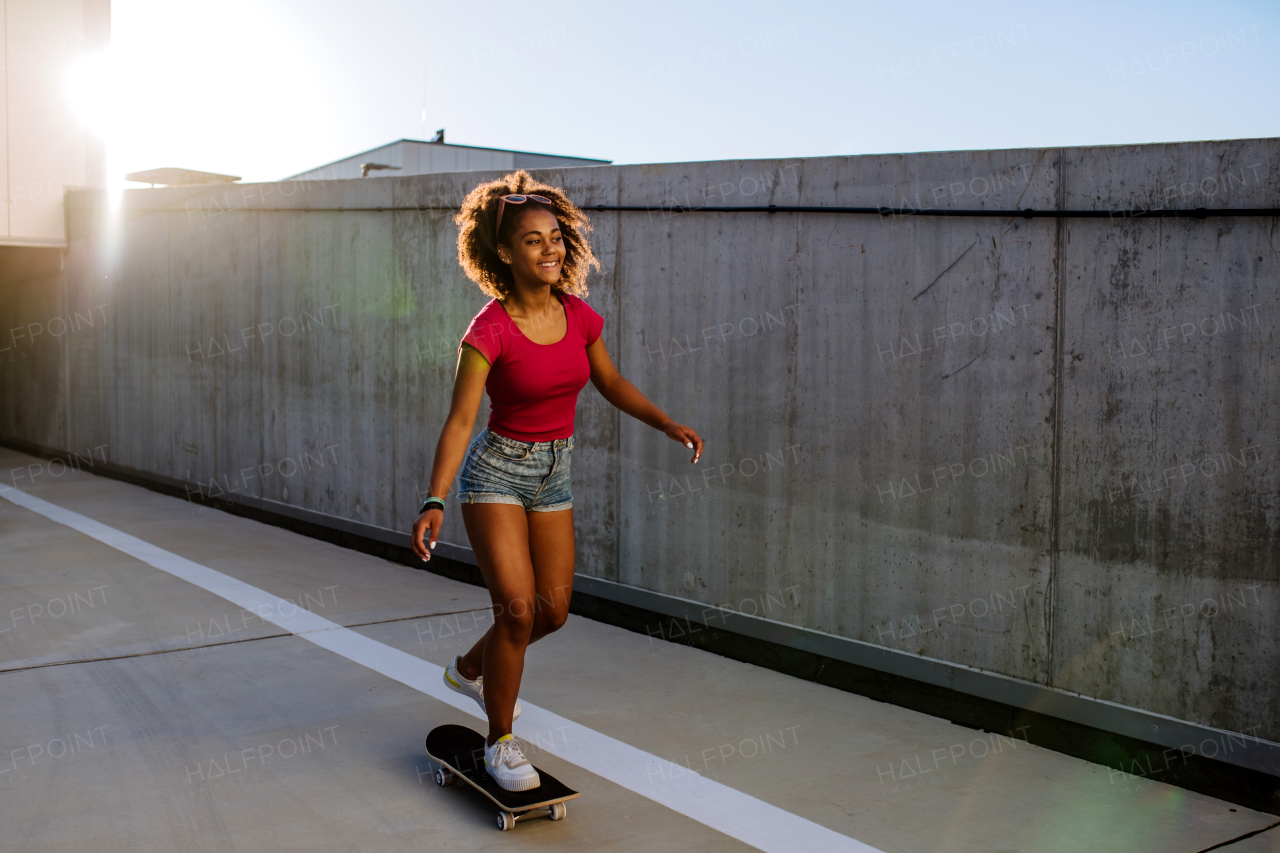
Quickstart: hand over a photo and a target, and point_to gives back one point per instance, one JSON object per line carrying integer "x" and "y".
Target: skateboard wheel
{"x": 559, "y": 811}
{"x": 506, "y": 821}
{"x": 443, "y": 779}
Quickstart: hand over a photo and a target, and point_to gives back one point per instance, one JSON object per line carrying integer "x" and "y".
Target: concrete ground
{"x": 142, "y": 711}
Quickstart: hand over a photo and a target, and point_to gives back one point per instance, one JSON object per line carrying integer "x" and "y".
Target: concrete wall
{"x": 1019, "y": 445}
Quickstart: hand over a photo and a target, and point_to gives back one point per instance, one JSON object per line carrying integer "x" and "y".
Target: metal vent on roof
{"x": 366, "y": 168}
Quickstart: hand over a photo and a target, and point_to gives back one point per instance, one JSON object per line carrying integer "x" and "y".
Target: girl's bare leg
{"x": 527, "y": 562}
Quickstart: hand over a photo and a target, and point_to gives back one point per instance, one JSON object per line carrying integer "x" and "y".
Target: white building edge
{"x": 46, "y": 147}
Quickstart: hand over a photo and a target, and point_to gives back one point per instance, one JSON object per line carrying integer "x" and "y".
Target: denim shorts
{"x": 531, "y": 474}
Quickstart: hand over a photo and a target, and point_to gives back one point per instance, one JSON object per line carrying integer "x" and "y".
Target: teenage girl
{"x": 532, "y": 348}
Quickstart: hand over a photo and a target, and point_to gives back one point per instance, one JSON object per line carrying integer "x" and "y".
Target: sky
{"x": 265, "y": 89}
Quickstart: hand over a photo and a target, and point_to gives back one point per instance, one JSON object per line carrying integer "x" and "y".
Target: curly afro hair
{"x": 478, "y": 245}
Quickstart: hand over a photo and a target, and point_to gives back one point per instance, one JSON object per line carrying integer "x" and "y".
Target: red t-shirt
{"x": 534, "y": 387}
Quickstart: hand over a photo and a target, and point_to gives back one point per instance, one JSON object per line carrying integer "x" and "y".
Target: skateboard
{"x": 461, "y": 752}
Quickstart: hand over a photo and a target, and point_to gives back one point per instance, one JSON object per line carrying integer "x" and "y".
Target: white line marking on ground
{"x": 741, "y": 816}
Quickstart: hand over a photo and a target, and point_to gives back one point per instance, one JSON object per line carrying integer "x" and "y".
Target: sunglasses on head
{"x": 515, "y": 198}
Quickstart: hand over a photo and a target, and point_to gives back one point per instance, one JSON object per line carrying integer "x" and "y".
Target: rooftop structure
{"x": 172, "y": 177}
{"x": 415, "y": 157}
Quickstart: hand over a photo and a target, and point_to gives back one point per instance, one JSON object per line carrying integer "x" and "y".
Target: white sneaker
{"x": 506, "y": 763}
{"x": 475, "y": 689}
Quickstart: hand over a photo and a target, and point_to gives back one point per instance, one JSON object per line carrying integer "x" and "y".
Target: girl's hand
{"x": 431, "y": 519}
{"x": 686, "y": 436}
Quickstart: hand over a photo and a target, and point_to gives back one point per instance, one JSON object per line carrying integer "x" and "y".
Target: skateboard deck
{"x": 461, "y": 752}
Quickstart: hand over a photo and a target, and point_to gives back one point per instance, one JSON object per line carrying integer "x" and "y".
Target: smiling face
{"x": 536, "y": 250}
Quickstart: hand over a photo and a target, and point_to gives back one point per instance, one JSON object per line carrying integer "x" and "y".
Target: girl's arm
{"x": 468, "y": 389}
{"x": 627, "y": 398}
